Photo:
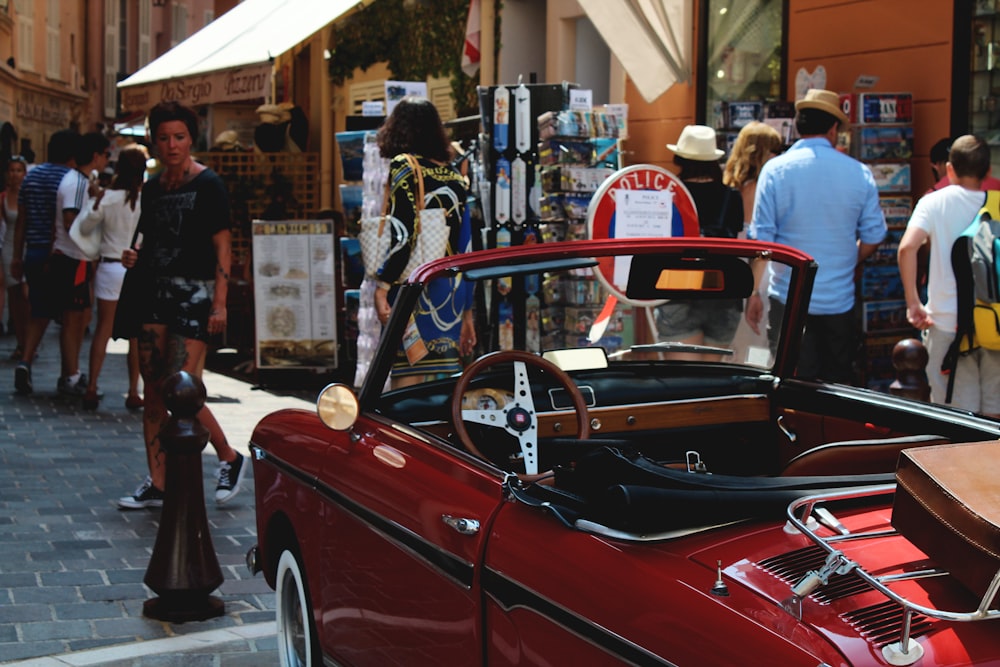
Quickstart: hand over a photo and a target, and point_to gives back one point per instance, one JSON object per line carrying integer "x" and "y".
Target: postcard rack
{"x": 906, "y": 651}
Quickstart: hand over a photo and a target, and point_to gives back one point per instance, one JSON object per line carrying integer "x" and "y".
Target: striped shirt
{"x": 38, "y": 197}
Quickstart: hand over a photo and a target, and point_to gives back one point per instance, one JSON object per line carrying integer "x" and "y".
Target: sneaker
{"x": 22, "y": 379}
{"x": 231, "y": 474}
{"x": 145, "y": 496}
{"x": 67, "y": 387}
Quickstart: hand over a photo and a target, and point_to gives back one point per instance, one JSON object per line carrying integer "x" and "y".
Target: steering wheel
{"x": 518, "y": 418}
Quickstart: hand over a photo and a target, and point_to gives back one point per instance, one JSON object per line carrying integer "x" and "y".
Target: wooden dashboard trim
{"x": 655, "y": 416}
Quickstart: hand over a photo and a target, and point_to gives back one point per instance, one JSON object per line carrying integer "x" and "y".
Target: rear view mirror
{"x": 657, "y": 277}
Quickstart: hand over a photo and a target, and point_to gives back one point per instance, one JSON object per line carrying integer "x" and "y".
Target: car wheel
{"x": 297, "y": 645}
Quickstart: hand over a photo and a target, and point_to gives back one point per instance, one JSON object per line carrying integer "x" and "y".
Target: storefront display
{"x": 881, "y": 135}
{"x": 984, "y": 78}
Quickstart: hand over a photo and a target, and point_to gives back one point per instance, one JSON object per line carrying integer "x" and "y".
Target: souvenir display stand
{"x": 509, "y": 194}
{"x": 881, "y": 136}
{"x": 578, "y": 154}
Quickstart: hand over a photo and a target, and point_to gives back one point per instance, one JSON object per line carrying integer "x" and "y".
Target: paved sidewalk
{"x": 72, "y": 564}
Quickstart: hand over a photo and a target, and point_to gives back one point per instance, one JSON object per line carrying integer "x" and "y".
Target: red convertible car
{"x": 598, "y": 487}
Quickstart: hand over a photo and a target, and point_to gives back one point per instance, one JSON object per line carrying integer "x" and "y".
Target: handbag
{"x": 430, "y": 229}
{"x": 89, "y": 243}
{"x": 137, "y": 290}
{"x": 373, "y": 239}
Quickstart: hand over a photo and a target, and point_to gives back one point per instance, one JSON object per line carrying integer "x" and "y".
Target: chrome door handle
{"x": 463, "y": 526}
{"x": 788, "y": 434}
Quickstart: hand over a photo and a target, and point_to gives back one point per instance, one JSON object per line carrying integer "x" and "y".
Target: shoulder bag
{"x": 430, "y": 229}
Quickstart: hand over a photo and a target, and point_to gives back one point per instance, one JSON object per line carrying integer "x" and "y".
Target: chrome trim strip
{"x": 457, "y": 569}
{"x": 509, "y": 594}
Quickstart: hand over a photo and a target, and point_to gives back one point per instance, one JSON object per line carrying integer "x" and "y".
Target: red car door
{"x": 403, "y": 536}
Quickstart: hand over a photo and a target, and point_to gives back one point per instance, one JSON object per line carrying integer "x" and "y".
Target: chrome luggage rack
{"x": 907, "y": 650}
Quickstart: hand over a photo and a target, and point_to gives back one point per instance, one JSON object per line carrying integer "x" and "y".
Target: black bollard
{"x": 183, "y": 570}
{"x": 909, "y": 358}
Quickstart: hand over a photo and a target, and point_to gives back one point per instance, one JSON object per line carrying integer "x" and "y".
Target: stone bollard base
{"x": 184, "y": 608}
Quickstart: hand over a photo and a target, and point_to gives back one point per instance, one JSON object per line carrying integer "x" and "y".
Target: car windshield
{"x": 585, "y": 305}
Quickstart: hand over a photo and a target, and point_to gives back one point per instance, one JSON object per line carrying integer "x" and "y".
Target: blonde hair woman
{"x": 756, "y": 144}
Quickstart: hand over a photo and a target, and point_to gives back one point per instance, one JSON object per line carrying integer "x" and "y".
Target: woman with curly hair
{"x": 756, "y": 144}
{"x": 444, "y": 314}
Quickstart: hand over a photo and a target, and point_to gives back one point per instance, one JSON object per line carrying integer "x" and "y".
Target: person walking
{"x": 34, "y": 236}
{"x": 720, "y": 214}
{"x": 756, "y": 143}
{"x": 71, "y": 269}
{"x": 444, "y": 314}
{"x": 825, "y": 203}
{"x": 938, "y": 219}
{"x": 113, "y": 214}
{"x": 182, "y": 252}
{"x": 13, "y": 288}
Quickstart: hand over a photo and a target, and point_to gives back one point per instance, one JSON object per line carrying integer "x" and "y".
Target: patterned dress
{"x": 439, "y": 312}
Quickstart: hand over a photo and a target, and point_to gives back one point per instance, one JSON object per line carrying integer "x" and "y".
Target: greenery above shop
{"x": 415, "y": 39}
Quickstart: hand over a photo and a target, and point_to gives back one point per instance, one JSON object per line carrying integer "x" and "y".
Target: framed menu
{"x": 295, "y": 303}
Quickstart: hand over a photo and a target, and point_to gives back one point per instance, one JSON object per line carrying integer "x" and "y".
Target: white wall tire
{"x": 296, "y": 632}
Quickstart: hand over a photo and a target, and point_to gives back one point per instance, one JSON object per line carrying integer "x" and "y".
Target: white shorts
{"x": 108, "y": 280}
{"x": 977, "y": 376}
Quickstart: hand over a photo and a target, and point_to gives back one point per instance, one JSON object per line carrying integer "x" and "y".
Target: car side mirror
{"x": 337, "y": 406}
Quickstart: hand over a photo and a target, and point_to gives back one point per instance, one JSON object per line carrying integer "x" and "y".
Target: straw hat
{"x": 697, "y": 142}
{"x": 824, "y": 100}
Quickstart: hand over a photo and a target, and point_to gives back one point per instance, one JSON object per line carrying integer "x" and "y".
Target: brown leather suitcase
{"x": 947, "y": 504}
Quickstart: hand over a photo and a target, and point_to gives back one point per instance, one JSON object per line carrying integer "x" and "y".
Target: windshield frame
{"x": 530, "y": 258}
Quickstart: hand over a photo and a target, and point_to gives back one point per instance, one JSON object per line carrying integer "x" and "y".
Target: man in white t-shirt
{"x": 71, "y": 268}
{"x": 940, "y": 217}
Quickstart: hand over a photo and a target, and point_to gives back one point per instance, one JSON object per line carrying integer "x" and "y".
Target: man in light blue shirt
{"x": 825, "y": 203}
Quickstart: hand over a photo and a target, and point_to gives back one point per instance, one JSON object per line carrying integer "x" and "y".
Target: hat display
{"x": 227, "y": 140}
{"x": 272, "y": 113}
{"x": 823, "y": 100}
{"x": 697, "y": 142}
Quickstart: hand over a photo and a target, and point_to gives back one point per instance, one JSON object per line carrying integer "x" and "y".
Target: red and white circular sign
{"x": 639, "y": 201}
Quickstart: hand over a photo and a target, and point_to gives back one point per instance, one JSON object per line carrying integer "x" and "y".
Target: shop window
{"x": 984, "y": 64}
{"x": 743, "y": 53}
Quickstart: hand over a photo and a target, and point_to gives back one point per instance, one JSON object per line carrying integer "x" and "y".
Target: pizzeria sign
{"x": 233, "y": 85}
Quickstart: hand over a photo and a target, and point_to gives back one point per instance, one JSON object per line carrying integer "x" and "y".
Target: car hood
{"x": 846, "y": 613}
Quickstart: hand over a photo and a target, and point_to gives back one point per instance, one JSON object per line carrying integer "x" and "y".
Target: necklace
{"x": 174, "y": 183}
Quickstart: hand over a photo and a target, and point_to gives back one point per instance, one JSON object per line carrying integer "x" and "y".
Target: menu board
{"x": 295, "y": 304}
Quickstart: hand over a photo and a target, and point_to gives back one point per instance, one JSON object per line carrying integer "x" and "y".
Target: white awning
{"x": 230, "y": 59}
{"x": 651, "y": 38}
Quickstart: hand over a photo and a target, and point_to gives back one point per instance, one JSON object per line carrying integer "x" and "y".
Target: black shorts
{"x": 59, "y": 284}
{"x": 183, "y": 305}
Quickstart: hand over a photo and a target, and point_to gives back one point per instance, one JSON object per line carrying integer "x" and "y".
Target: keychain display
{"x": 502, "y": 192}
{"x": 522, "y": 119}
{"x": 505, "y": 315}
{"x": 532, "y": 303}
{"x": 504, "y": 284}
{"x": 519, "y": 191}
{"x": 501, "y": 118}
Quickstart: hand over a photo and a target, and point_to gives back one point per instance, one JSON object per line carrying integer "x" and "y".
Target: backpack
{"x": 974, "y": 259}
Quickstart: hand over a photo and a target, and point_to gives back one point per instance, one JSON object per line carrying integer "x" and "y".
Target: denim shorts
{"x": 717, "y": 320}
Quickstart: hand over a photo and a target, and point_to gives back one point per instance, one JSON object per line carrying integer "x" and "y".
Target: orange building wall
{"x": 907, "y": 44}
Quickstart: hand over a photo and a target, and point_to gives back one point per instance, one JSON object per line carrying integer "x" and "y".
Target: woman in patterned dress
{"x": 443, "y": 316}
